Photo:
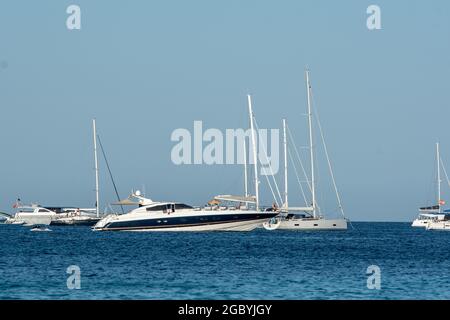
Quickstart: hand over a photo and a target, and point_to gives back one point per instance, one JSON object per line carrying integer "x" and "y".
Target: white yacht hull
{"x": 420, "y": 223}
{"x": 438, "y": 225}
{"x": 241, "y": 226}
{"x": 14, "y": 221}
{"x": 201, "y": 221}
{"x": 425, "y": 218}
{"x": 30, "y": 219}
{"x": 313, "y": 224}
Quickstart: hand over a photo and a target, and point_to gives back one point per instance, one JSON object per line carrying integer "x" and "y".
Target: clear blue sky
{"x": 145, "y": 68}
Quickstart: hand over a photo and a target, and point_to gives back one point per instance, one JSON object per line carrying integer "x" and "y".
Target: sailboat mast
{"x": 438, "y": 175}
{"x": 255, "y": 156}
{"x": 97, "y": 204}
{"x": 285, "y": 166}
{"x": 311, "y": 144}
{"x": 245, "y": 169}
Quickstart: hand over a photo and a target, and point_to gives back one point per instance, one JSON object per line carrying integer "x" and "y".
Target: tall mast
{"x": 311, "y": 144}
{"x": 255, "y": 156}
{"x": 285, "y": 166}
{"x": 438, "y": 175}
{"x": 245, "y": 169}
{"x": 97, "y": 211}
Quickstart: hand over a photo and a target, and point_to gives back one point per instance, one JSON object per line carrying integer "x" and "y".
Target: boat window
{"x": 170, "y": 208}
{"x": 157, "y": 208}
{"x": 43, "y": 210}
{"x": 182, "y": 206}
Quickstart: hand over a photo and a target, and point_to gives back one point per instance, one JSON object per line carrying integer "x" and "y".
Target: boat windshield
{"x": 169, "y": 207}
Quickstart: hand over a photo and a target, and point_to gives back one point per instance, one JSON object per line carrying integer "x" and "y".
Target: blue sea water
{"x": 414, "y": 264}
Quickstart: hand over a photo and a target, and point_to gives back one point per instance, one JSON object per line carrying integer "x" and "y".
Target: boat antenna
{"x": 330, "y": 167}
{"x": 110, "y": 173}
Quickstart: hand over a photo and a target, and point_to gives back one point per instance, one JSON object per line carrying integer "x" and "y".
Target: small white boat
{"x": 272, "y": 224}
{"x": 31, "y": 215}
{"x": 39, "y": 215}
{"x": 40, "y": 229}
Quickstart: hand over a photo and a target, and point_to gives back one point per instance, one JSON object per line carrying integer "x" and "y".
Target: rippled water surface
{"x": 414, "y": 264}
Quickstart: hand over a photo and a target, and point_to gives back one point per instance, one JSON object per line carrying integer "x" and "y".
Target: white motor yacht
{"x": 174, "y": 216}
{"x": 32, "y": 215}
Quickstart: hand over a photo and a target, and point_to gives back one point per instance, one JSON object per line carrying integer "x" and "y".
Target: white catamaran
{"x": 308, "y": 217}
{"x": 434, "y": 217}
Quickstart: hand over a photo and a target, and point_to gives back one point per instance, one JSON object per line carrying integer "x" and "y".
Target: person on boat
{"x": 273, "y": 208}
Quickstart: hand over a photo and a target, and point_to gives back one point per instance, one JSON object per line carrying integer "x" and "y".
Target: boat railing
{"x": 222, "y": 208}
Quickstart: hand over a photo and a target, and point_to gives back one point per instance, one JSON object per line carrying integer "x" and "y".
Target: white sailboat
{"x": 308, "y": 217}
{"x": 83, "y": 217}
{"x": 434, "y": 217}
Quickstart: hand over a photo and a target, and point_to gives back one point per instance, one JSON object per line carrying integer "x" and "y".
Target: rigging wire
{"x": 109, "y": 170}
{"x": 445, "y": 171}
{"x": 271, "y": 171}
{"x": 298, "y": 178}
{"x": 303, "y": 168}
{"x": 338, "y": 197}
{"x": 299, "y": 158}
